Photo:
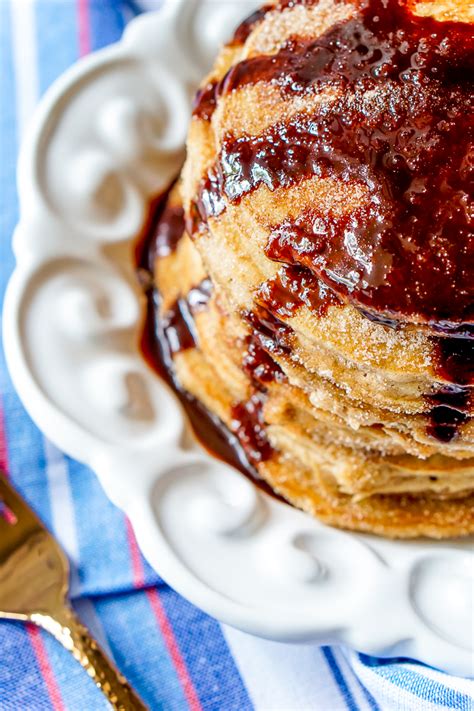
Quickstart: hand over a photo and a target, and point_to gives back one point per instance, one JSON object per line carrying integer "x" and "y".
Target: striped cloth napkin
{"x": 174, "y": 655}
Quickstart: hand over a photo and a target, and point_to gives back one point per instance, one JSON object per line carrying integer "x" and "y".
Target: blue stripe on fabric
{"x": 415, "y": 683}
{"x": 339, "y": 678}
{"x": 104, "y": 553}
{"x": 206, "y": 654}
{"x": 140, "y": 651}
{"x": 370, "y": 699}
{"x": 55, "y": 21}
{"x": 375, "y": 662}
{"x": 21, "y": 683}
{"x": 107, "y": 22}
{"x": 8, "y": 148}
{"x": 76, "y": 687}
{"x": 24, "y": 442}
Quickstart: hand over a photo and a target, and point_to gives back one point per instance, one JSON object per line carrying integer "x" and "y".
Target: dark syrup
{"x": 206, "y": 99}
{"x": 247, "y": 26}
{"x": 452, "y": 404}
{"x": 161, "y": 233}
{"x": 258, "y": 365}
{"x": 161, "y": 338}
{"x": 408, "y": 252}
{"x": 248, "y": 424}
{"x": 293, "y": 287}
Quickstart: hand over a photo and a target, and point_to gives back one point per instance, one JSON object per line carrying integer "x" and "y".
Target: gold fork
{"x": 34, "y": 582}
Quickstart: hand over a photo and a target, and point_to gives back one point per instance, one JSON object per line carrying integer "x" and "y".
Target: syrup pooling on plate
{"x": 408, "y": 251}
{"x": 162, "y": 231}
{"x": 175, "y": 331}
{"x": 168, "y": 231}
{"x": 210, "y": 431}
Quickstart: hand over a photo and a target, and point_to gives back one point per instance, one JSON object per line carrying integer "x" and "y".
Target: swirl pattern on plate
{"x": 90, "y": 331}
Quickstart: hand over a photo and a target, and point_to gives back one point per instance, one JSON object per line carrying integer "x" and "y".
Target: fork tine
{"x": 34, "y": 574}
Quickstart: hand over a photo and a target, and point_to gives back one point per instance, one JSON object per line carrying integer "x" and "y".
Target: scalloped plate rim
{"x": 86, "y": 448}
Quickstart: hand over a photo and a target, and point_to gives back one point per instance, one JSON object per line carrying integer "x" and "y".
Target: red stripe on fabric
{"x": 136, "y": 557}
{"x": 163, "y": 622}
{"x": 46, "y": 670}
{"x": 175, "y": 654}
{"x": 83, "y": 23}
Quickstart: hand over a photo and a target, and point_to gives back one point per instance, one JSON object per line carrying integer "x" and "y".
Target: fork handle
{"x": 69, "y": 630}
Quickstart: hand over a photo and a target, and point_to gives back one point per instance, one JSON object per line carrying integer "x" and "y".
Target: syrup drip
{"x": 275, "y": 336}
{"x": 169, "y": 231}
{"x": 198, "y": 296}
{"x": 247, "y": 417}
{"x": 205, "y": 101}
{"x": 293, "y": 287}
{"x": 259, "y": 366}
{"x": 455, "y": 359}
{"x": 248, "y": 424}
{"x": 178, "y": 322}
{"x": 452, "y": 404}
{"x": 215, "y": 437}
{"x": 163, "y": 230}
{"x": 163, "y": 337}
{"x": 178, "y": 327}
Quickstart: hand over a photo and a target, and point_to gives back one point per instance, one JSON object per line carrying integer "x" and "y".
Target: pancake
{"x": 320, "y": 301}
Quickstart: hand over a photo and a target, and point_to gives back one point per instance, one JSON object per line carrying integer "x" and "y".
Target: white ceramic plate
{"x": 107, "y": 135}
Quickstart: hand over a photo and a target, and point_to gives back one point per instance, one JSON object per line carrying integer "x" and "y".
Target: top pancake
{"x": 328, "y": 94}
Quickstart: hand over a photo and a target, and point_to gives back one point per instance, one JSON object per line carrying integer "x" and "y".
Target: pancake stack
{"x": 315, "y": 261}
